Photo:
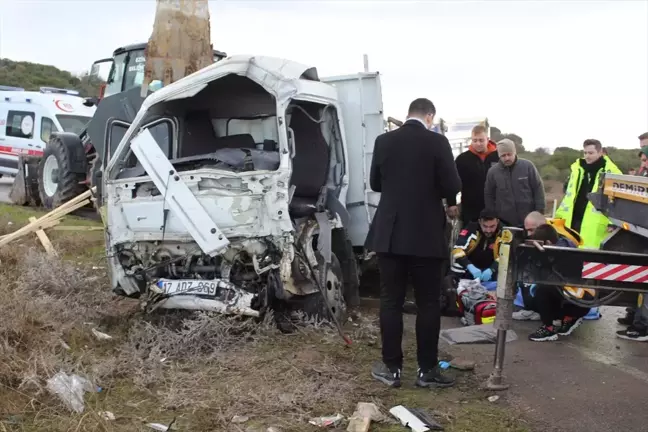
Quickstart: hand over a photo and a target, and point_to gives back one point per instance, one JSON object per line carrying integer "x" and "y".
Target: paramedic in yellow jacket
{"x": 576, "y": 209}
{"x": 559, "y": 317}
{"x": 475, "y": 253}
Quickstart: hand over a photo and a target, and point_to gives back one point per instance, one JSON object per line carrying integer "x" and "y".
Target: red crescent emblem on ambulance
{"x": 63, "y": 106}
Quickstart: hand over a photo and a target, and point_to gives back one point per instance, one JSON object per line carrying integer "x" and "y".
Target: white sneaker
{"x": 526, "y": 315}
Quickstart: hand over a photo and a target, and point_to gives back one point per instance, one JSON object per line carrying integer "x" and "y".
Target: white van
{"x": 28, "y": 118}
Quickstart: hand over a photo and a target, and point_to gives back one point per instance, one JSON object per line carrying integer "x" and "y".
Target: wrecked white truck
{"x": 239, "y": 188}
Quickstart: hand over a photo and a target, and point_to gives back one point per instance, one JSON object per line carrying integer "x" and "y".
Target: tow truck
{"x": 618, "y": 271}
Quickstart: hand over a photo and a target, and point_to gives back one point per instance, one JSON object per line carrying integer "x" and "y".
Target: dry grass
{"x": 198, "y": 368}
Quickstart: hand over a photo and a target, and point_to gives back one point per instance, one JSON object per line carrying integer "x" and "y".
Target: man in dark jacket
{"x": 414, "y": 170}
{"x": 472, "y": 166}
{"x": 513, "y": 187}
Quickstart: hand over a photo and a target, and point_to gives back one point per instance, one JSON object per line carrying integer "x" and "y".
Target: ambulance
{"x": 28, "y": 118}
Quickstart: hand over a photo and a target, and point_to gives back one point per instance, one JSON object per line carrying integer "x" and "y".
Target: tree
{"x": 33, "y": 76}
{"x": 497, "y": 135}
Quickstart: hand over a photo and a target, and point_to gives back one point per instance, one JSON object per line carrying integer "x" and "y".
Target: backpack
{"x": 475, "y": 303}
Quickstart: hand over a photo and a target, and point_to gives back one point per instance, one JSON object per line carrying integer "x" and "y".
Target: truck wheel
{"x": 314, "y": 305}
{"x": 56, "y": 182}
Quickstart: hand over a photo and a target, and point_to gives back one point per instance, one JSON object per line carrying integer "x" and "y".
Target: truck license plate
{"x": 187, "y": 286}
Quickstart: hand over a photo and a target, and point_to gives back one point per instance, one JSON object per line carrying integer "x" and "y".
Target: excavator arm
{"x": 180, "y": 43}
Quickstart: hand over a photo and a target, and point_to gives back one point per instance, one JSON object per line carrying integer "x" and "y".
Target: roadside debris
{"x": 462, "y": 364}
{"x": 106, "y": 415}
{"x": 327, "y": 421}
{"x": 364, "y": 414}
{"x": 49, "y": 220}
{"x": 493, "y": 398}
{"x": 240, "y": 419}
{"x": 160, "y": 426}
{"x": 70, "y": 389}
{"x": 101, "y": 336}
{"x": 482, "y": 333}
{"x": 415, "y": 419}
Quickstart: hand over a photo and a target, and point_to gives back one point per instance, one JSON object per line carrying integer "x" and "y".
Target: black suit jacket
{"x": 414, "y": 170}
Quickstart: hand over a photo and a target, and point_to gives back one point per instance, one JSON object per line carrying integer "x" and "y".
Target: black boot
{"x": 433, "y": 378}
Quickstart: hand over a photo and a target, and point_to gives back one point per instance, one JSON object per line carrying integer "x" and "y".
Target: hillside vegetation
{"x": 553, "y": 166}
{"x": 32, "y": 76}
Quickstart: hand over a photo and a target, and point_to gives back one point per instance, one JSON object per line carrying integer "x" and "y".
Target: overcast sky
{"x": 553, "y": 72}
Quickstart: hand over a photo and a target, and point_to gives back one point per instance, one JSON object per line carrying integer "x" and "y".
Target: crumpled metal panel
{"x": 180, "y": 43}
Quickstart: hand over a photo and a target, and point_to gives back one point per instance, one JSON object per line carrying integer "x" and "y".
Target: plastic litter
{"x": 444, "y": 364}
{"x": 415, "y": 419}
{"x": 70, "y": 389}
{"x": 475, "y": 334}
{"x": 106, "y": 415}
{"x": 493, "y": 398}
{"x": 327, "y": 421}
{"x": 101, "y": 336}
{"x": 240, "y": 419}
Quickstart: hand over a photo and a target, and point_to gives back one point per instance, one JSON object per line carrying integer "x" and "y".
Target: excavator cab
{"x": 125, "y": 70}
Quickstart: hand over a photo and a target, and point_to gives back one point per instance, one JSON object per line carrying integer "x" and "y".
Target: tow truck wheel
{"x": 56, "y": 182}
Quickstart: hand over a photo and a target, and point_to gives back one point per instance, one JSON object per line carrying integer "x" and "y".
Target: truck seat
{"x": 310, "y": 164}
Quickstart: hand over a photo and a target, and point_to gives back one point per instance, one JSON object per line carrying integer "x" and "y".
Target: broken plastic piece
{"x": 240, "y": 419}
{"x": 415, "y": 419}
{"x": 408, "y": 419}
{"x": 70, "y": 389}
{"x": 327, "y": 421}
{"x": 100, "y": 335}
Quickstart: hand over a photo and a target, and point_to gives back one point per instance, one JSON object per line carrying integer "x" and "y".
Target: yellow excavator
{"x": 180, "y": 44}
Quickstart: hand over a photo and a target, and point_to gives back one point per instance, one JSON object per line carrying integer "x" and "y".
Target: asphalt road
{"x": 590, "y": 381}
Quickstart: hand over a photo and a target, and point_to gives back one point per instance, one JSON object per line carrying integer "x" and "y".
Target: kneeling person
{"x": 559, "y": 316}
{"x": 475, "y": 253}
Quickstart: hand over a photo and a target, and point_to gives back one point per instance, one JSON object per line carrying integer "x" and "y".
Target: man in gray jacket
{"x": 513, "y": 187}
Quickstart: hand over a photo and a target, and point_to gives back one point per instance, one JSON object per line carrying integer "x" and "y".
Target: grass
{"x": 196, "y": 368}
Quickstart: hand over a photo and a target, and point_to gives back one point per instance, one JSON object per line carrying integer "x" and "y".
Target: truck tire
{"x": 56, "y": 181}
{"x": 313, "y": 305}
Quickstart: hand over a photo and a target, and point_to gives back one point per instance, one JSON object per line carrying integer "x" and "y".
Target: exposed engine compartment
{"x": 179, "y": 268}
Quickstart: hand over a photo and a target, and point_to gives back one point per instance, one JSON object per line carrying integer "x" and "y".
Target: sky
{"x": 555, "y": 73}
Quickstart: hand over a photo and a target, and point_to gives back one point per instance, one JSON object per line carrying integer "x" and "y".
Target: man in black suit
{"x": 414, "y": 170}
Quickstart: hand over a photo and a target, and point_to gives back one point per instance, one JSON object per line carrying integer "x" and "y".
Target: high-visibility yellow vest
{"x": 594, "y": 225}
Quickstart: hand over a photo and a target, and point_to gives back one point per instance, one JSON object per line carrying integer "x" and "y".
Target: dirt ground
{"x": 198, "y": 369}
{"x": 553, "y": 192}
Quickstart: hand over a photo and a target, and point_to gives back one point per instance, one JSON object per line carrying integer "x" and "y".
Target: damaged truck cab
{"x": 228, "y": 192}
